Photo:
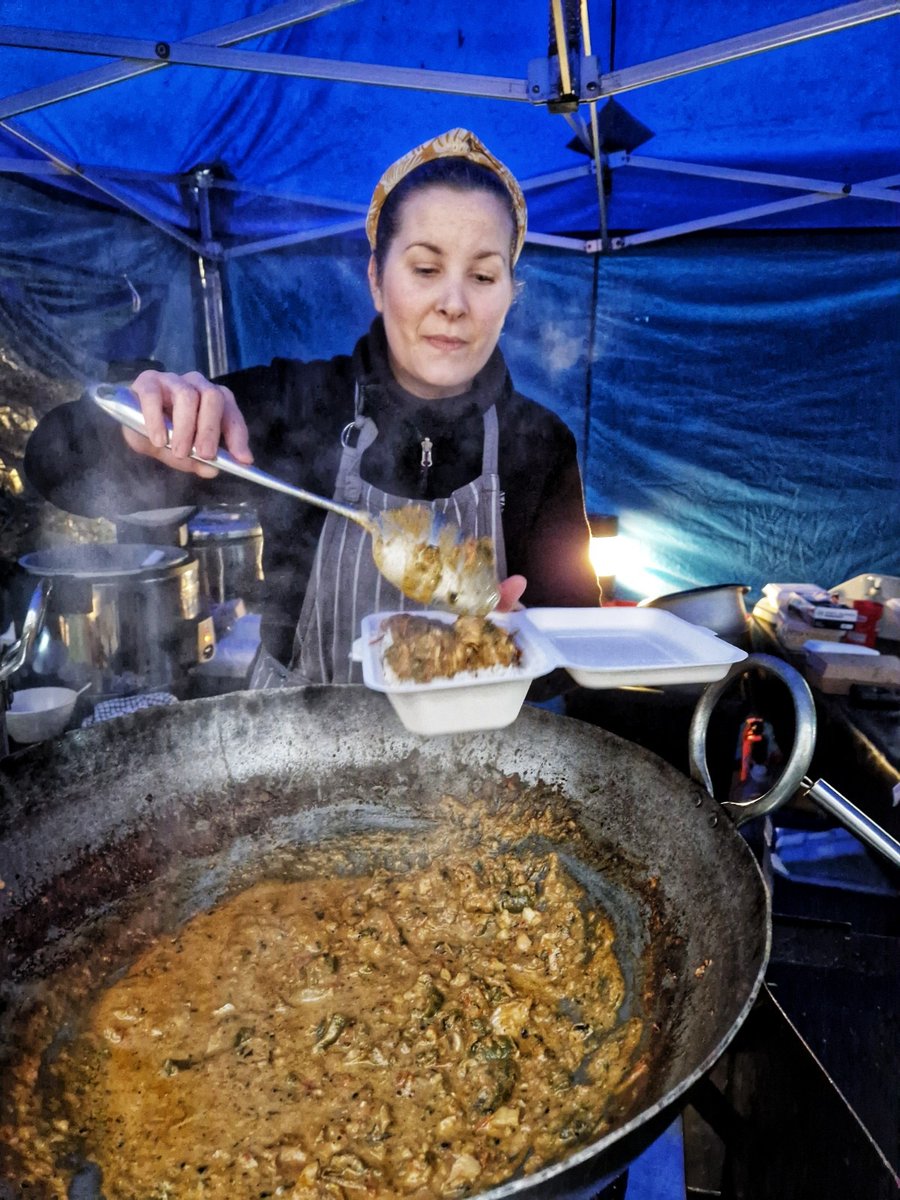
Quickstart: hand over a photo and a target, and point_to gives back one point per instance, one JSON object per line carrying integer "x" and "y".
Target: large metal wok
{"x": 136, "y": 824}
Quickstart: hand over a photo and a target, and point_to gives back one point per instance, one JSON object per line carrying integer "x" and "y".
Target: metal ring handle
{"x": 801, "y": 754}
{"x": 14, "y": 659}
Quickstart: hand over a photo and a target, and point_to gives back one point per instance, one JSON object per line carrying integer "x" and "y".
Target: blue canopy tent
{"x": 710, "y": 274}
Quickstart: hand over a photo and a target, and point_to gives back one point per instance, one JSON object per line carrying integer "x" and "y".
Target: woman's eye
{"x": 485, "y": 278}
{"x": 425, "y": 270}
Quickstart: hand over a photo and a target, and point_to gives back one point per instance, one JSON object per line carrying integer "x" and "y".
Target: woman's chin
{"x": 437, "y": 382}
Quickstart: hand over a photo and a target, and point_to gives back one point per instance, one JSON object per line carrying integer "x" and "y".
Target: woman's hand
{"x": 511, "y": 590}
{"x": 202, "y": 414}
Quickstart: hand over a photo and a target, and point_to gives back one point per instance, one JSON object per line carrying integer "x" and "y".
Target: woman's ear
{"x": 374, "y": 286}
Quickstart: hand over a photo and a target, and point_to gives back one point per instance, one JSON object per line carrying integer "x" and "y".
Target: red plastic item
{"x": 865, "y": 631}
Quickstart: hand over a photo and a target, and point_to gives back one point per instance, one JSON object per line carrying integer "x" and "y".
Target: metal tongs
{"x": 417, "y": 550}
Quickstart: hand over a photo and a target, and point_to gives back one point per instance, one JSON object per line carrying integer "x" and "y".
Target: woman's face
{"x": 445, "y": 289}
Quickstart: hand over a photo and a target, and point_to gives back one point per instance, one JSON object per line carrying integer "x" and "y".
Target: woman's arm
{"x": 558, "y": 566}
{"x": 544, "y": 521}
{"x": 83, "y": 461}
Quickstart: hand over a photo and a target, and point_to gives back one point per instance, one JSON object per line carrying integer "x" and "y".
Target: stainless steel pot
{"x": 117, "y": 831}
{"x": 228, "y": 545}
{"x": 124, "y": 618}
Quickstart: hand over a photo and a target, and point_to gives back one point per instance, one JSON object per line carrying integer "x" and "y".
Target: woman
{"x": 422, "y": 410}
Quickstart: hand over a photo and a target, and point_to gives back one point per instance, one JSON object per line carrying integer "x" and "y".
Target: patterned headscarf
{"x": 456, "y": 143}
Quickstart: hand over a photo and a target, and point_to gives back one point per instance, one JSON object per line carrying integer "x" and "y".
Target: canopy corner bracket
{"x": 545, "y": 85}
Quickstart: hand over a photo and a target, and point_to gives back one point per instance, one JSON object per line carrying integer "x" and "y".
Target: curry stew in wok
{"x": 423, "y": 1028}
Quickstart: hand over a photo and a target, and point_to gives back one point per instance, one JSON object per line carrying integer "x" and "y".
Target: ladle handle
{"x": 121, "y": 403}
{"x": 793, "y": 778}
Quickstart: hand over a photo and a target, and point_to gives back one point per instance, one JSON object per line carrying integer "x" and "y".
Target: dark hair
{"x": 453, "y": 172}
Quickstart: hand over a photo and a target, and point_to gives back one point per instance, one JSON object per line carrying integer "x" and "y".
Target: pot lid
{"x": 217, "y": 524}
{"x": 93, "y": 560}
{"x": 154, "y": 518}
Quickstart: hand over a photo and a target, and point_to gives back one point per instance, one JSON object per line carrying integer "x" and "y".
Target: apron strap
{"x": 348, "y": 484}
{"x": 491, "y": 442}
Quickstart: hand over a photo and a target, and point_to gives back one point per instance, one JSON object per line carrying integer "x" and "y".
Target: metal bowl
{"x": 719, "y": 607}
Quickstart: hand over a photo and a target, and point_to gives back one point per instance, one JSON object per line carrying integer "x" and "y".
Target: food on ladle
{"x": 429, "y": 560}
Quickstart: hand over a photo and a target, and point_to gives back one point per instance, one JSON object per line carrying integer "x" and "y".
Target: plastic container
{"x": 817, "y": 647}
{"x": 462, "y": 703}
{"x": 600, "y": 648}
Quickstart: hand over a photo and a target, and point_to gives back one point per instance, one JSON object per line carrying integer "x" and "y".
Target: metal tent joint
{"x": 545, "y": 85}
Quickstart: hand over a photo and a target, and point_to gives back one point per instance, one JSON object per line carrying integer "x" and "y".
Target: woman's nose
{"x": 452, "y": 298}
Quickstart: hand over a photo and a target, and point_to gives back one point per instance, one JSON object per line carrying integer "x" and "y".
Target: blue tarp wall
{"x": 734, "y": 393}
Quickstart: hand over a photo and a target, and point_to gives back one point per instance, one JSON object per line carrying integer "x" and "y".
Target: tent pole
{"x": 210, "y": 278}
{"x": 730, "y": 218}
{"x": 797, "y": 183}
{"x": 595, "y": 138}
{"x": 772, "y": 37}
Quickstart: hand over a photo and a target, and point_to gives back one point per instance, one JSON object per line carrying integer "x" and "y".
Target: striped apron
{"x": 345, "y": 584}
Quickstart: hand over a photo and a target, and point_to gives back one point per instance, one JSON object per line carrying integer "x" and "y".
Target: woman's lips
{"x": 445, "y": 343}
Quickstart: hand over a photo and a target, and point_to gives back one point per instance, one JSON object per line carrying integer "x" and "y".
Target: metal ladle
{"x": 417, "y": 550}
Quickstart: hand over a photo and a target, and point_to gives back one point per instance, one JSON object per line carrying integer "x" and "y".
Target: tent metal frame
{"x": 207, "y": 250}
{"x": 213, "y": 49}
{"x": 556, "y": 83}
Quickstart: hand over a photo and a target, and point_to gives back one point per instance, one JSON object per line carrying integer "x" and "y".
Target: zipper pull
{"x": 425, "y": 465}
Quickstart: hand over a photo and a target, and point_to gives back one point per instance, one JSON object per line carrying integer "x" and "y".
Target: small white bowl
{"x": 40, "y": 713}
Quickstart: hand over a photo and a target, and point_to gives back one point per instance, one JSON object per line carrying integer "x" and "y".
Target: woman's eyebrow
{"x": 425, "y": 246}
{"x": 437, "y": 250}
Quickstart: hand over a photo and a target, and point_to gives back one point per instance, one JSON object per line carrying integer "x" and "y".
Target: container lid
{"x": 218, "y": 524}
{"x": 96, "y": 560}
{"x": 615, "y": 647}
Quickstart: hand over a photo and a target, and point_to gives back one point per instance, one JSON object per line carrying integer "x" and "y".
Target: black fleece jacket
{"x": 295, "y": 411}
